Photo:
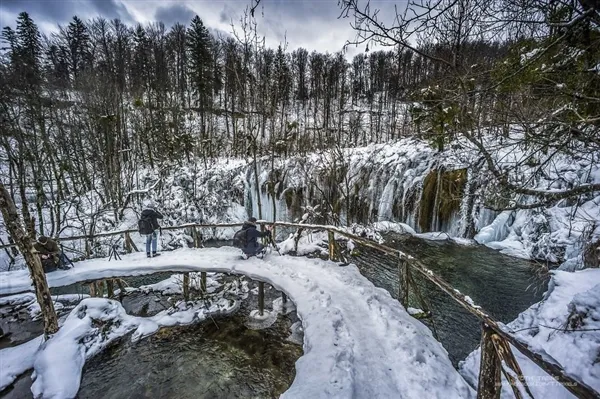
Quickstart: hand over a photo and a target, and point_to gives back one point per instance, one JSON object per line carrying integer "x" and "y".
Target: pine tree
{"x": 78, "y": 41}
{"x": 139, "y": 69}
{"x": 28, "y": 52}
{"x": 201, "y": 66}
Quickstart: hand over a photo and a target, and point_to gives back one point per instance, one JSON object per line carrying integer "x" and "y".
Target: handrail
{"x": 119, "y": 232}
{"x": 575, "y": 386}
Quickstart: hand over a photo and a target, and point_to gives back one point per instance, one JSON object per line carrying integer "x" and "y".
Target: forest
{"x": 85, "y": 107}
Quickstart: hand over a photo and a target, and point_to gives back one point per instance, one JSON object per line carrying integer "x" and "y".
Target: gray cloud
{"x": 51, "y": 13}
{"x": 224, "y": 17}
{"x": 59, "y": 12}
{"x": 312, "y": 24}
{"x": 174, "y": 13}
{"x": 111, "y": 9}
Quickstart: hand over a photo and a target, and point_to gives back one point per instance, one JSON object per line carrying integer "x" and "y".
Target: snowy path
{"x": 359, "y": 342}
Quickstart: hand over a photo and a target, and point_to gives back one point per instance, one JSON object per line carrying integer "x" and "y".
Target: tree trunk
{"x": 25, "y": 244}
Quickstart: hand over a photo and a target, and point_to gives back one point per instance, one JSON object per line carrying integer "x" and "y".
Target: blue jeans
{"x": 151, "y": 239}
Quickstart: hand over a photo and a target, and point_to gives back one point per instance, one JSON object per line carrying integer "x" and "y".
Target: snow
{"x": 564, "y": 327}
{"x": 469, "y": 300}
{"x": 174, "y": 284}
{"x": 358, "y": 340}
{"x": 309, "y": 243}
{"x": 17, "y": 360}
{"x": 29, "y": 301}
{"x": 414, "y": 311}
{"x": 495, "y": 232}
{"x": 89, "y": 328}
{"x": 396, "y": 227}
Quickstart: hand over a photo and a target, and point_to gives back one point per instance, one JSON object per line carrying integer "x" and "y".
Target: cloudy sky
{"x": 312, "y": 24}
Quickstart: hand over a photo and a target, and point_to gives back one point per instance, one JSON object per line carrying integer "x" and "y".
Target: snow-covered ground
{"x": 358, "y": 340}
{"x": 564, "y": 327}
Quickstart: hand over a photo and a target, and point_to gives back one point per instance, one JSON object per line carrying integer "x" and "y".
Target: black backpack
{"x": 145, "y": 226}
{"x": 240, "y": 239}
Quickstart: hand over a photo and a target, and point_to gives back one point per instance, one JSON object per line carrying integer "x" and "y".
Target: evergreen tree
{"x": 201, "y": 68}
{"x": 78, "y": 42}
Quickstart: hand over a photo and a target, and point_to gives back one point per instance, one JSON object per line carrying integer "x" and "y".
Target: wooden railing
{"x": 496, "y": 354}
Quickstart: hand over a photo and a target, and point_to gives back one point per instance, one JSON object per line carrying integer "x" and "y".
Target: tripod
{"x": 274, "y": 244}
{"x": 64, "y": 259}
{"x": 113, "y": 252}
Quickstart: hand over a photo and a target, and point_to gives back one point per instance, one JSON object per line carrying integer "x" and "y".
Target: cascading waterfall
{"x": 252, "y": 192}
{"x": 435, "y": 220}
{"x": 389, "y": 192}
{"x": 408, "y": 182}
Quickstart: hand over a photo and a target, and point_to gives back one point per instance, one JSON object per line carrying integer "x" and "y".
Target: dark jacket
{"x": 252, "y": 235}
{"x": 46, "y": 246}
{"x": 49, "y": 252}
{"x": 153, "y": 216}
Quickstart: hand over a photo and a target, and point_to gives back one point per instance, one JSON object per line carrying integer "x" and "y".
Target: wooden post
{"x": 261, "y": 298}
{"x": 203, "y": 282}
{"x": 196, "y": 238}
{"x": 186, "y": 286}
{"x": 121, "y": 289}
{"x": 332, "y": 244}
{"x": 508, "y": 360}
{"x": 110, "y": 288}
{"x": 100, "y": 289}
{"x": 127, "y": 243}
{"x": 14, "y": 226}
{"x": 92, "y": 287}
{"x": 417, "y": 292}
{"x": 400, "y": 280}
{"x": 490, "y": 367}
{"x": 403, "y": 282}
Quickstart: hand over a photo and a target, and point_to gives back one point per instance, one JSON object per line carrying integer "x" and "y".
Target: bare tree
{"x": 25, "y": 245}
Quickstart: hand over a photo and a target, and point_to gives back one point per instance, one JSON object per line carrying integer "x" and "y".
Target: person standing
{"x": 148, "y": 226}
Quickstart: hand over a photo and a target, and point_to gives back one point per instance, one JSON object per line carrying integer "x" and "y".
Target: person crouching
{"x": 253, "y": 247}
{"x": 49, "y": 253}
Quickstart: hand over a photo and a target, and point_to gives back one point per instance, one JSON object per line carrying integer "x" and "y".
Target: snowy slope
{"x": 358, "y": 342}
{"x": 565, "y": 326}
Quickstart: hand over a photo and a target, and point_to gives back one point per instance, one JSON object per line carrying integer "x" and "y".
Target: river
{"x": 503, "y": 285}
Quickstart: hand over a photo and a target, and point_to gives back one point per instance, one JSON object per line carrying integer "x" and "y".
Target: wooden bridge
{"x": 496, "y": 342}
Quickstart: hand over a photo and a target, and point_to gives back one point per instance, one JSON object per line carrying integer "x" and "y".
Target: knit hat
{"x": 252, "y": 220}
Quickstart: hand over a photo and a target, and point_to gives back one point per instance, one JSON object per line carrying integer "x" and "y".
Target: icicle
{"x": 386, "y": 201}
{"x": 464, "y": 215}
{"x": 435, "y": 221}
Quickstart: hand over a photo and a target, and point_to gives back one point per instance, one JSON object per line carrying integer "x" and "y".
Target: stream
{"x": 502, "y": 285}
{"x": 221, "y": 357}
{"x": 228, "y": 358}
